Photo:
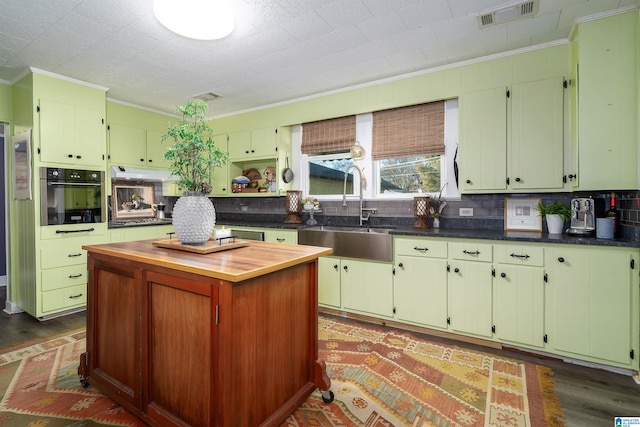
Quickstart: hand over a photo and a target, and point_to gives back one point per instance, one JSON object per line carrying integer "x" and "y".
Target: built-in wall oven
{"x": 71, "y": 196}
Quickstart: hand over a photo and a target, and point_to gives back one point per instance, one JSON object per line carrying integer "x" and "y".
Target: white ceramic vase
{"x": 436, "y": 222}
{"x": 194, "y": 218}
{"x": 555, "y": 223}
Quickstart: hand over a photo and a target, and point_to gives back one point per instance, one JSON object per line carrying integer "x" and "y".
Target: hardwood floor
{"x": 589, "y": 397}
{"x": 17, "y": 328}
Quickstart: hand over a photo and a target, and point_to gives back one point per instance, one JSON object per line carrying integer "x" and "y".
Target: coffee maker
{"x": 584, "y": 211}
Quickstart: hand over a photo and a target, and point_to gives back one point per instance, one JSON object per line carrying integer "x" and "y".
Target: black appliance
{"x": 71, "y": 196}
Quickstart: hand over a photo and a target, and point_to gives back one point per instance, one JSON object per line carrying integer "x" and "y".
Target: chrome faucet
{"x": 369, "y": 211}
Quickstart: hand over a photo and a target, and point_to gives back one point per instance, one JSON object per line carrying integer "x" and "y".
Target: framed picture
{"x": 522, "y": 214}
{"x": 131, "y": 201}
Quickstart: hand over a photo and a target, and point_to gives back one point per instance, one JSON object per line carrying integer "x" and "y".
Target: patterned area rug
{"x": 380, "y": 378}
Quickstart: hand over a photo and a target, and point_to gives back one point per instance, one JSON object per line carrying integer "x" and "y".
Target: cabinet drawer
{"x": 420, "y": 247}
{"x": 63, "y": 277}
{"x": 62, "y": 299}
{"x": 54, "y": 253}
{"x": 519, "y": 255}
{"x": 73, "y": 231}
{"x": 471, "y": 251}
{"x": 281, "y": 236}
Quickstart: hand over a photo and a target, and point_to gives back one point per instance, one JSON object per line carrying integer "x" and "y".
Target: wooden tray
{"x": 209, "y": 247}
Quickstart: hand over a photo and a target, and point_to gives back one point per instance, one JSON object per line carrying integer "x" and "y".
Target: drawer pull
{"x": 471, "y": 252}
{"x": 416, "y": 248}
{"x": 74, "y": 255}
{"x": 84, "y": 230}
{"x": 75, "y": 276}
{"x": 525, "y": 256}
{"x": 75, "y": 296}
{"x": 280, "y": 239}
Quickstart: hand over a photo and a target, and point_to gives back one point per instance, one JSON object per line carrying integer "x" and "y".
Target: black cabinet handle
{"x": 335, "y": 266}
{"x": 419, "y": 249}
{"x": 401, "y": 265}
{"x": 468, "y": 181}
{"x": 74, "y": 255}
{"x": 280, "y": 239}
{"x": 150, "y": 160}
{"x": 75, "y": 276}
{"x": 518, "y": 180}
{"x": 75, "y": 296}
{"x": 560, "y": 259}
{"x": 345, "y": 268}
{"x": 471, "y": 253}
{"x": 525, "y": 256}
{"x": 456, "y": 270}
{"x": 75, "y": 231}
{"x": 503, "y": 275}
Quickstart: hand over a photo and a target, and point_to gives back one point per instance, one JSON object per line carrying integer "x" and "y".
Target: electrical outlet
{"x": 465, "y": 211}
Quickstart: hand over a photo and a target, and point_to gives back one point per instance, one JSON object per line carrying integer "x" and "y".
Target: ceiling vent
{"x": 207, "y": 96}
{"x": 509, "y": 13}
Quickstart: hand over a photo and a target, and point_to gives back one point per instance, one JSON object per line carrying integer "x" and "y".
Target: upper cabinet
{"x": 255, "y": 144}
{"x": 606, "y": 148}
{"x": 136, "y": 146}
{"x": 70, "y": 134}
{"x": 512, "y": 138}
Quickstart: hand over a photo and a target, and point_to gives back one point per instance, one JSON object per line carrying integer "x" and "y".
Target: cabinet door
{"x": 367, "y": 287}
{"x": 469, "y": 286}
{"x": 89, "y": 137}
{"x": 483, "y": 140}
{"x": 264, "y": 142}
{"x": 608, "y": 106}
{"x": 518, "y": 304}
{"x": 420, "y": 290}
{"x": 592, "y": 302}
{"x": 127, "y": 145}
{"x": 220, "y": 177}
{"x": 329, "y": 281}
{"x": 537, "y": 135}
{"x": 239, "y": 145}
{"x": 156, "y": 149}
{"x": 56, "y": 132}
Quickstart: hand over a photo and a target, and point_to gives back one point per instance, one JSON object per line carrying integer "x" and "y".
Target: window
{"x": 400, "y": 162}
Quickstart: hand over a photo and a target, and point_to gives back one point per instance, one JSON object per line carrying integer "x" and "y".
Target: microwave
{"x": 71, "y": 196}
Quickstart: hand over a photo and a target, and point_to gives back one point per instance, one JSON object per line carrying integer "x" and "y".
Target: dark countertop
{"x": 277, "y": 222}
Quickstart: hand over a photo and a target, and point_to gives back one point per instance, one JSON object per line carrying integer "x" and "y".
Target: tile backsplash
{"x": 488, "y": 209}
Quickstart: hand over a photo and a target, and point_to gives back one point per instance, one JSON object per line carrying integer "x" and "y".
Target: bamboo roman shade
{"x": 416, "y": 130}
{"x": 329, "y": 136}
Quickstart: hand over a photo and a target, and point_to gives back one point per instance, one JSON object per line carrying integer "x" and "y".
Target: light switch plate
{"x": 465, "y": 211}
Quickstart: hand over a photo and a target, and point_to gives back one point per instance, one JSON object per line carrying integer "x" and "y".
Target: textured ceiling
{"x": 280, "y": 50}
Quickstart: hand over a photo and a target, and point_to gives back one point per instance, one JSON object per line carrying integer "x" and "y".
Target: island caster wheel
{"x": 327, "y": 396}
{"x": 84, "y": 383}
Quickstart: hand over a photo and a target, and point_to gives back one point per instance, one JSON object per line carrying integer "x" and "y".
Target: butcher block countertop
{"x": 234, "y": 265}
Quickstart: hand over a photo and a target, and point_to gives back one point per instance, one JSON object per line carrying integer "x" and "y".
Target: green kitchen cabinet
{"x": 469, "y": 288}
{"x": 281, "y": 236}
{"x": 71, "y": 135}
{"x": 367, "y": 286}
{"x": 592, "y": 303}
{"x": 483, "y": 141}
{"x": 518, "y": 294}
{"x": 220, "y": 182}
{"x": 512, "y": 138}
{"x": 420, "y": 281}
{"x": 607, "y": 111}
{"x": 128, "y": 234}
{"x": 359, "y": 286}
{"x": 254, "y": 144}
{"x": 134, "y": 146}
{"x": 329, "y": 282}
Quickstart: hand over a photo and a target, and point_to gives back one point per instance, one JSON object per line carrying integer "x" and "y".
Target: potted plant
{"x": 193, "y": 157}
{"x": 556, "y": 214}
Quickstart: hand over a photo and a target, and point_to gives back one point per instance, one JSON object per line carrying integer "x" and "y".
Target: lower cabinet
{"x": 575, "y": 301}
{"x": 420, "y": 282}
{"x": 365, "y": 286}
{"x": 469, "y": 286}
{"x": 592, "y": 303}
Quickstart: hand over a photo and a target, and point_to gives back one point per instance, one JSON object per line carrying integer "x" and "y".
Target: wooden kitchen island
{"x": 220, "y": 339}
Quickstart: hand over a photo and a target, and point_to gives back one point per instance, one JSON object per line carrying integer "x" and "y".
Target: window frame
{"x": 371, "y": 168}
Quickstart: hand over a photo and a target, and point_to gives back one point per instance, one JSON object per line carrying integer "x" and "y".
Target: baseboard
{"x": 12, "y": 308}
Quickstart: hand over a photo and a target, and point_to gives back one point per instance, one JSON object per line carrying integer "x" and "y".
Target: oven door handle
{"x": 75, "y": 231}
{"x": 76, "y": 184}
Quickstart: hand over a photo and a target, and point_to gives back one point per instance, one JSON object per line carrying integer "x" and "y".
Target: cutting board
{"x": 208, "y": 247}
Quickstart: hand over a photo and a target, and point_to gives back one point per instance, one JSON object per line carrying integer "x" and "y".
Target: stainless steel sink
{"x": 352, "y": 242}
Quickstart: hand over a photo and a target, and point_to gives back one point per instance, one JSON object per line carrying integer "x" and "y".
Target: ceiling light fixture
{"x": 196, "y": 19}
